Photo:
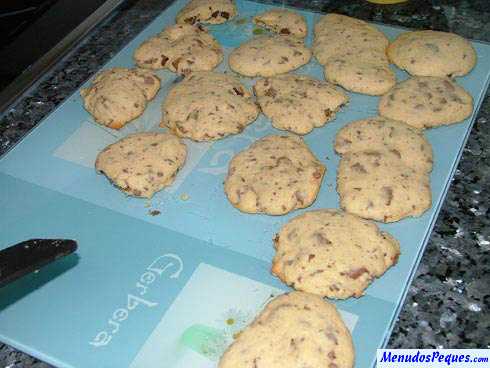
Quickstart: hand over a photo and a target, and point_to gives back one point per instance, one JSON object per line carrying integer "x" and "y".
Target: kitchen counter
{"x": 448, "y": 303}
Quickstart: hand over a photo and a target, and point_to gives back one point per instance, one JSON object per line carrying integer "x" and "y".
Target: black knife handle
{"x": 30, "y": 255}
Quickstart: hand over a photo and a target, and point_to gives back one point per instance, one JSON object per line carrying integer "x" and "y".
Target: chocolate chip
{"x": 176, "y": 62}
{"x": 448, "y": 85}
{"x": 321, "y": 239}
{"x": 164, "y": 60}
{"x": 357, "y": 167}
{"x": 396, "y": 152}
{"x": 271, "y": 92}
{"x": 317, "y": 174}
{"x": 239, "y": 92}
{"x": 330, "y": 335}
{"x": 285, "y": 31}
{"x": 387, "y": 193}
{"x": 149, "y": 80}
{"x": 299, "y": 197}
{"x": 190, "y": 20}
{"x": 225, "y": 15}
{"x": 215, "y": 14}
{"x": 355, "y": 273}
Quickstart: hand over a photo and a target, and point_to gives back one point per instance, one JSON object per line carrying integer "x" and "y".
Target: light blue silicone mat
{"x": 171, "y": 290}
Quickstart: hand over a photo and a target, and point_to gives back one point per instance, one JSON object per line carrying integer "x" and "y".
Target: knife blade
{"x": 30, "y": 255}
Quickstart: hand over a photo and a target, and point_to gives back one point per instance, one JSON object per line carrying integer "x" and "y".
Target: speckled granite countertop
{"x": 449, "y": 300}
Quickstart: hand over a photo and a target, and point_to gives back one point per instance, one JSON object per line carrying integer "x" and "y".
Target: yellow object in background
{"x": 387, "y": 1}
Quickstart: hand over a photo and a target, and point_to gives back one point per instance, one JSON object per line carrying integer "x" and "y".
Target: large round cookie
{"x": 295, "y": 330}
{"x": 119, "y": 95}
{"x": 332, "y": 253}
{"x": 337, "y": 34}
{"x": 283, "y": 21}
{"x": 207, "y": 106}
{"x": 181, "y": 48}
{"x": 275, "y": 175}
{"x": 298, "y": 103}
{"x": 269, "y": 55}
{"x": 376, "y": 184}
{"x": 432, "y": 53}
{"x": 427, "y": 102}
{"x": 377, "y": 132}
{"x": 142, "y": 164}
{"x": 207, "y": 11}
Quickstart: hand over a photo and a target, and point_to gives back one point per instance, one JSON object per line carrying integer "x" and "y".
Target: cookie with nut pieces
{"x": 208, "y": 106}
{"x": 142, "y": 164}
{"x": 207, "y": 11}
{"x": 382, "y": 133}
{"x": 427, "y": 102}
{"x": 283, "y": 21}
{"x": 376, "y": 184}
{"x": 432, "y": 53}
{"x": 275, "y": 175}
{"x": 265, "y": 56}
{"x": 181, "y": 48}
{"x": 298, "y": 103}
{"x": 293, "y": 330}
{"x": 119, "y": 95}
{"x": 332, "y": 253}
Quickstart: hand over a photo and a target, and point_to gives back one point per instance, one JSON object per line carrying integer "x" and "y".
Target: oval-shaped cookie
{"x": 207, "y": 11}
{"x": 432, "y": 53}
{"x": 181, "y": 48}
{"x": 294, "y": 330}
{"x": 275, "y": 175}
{"x": 266, "y": 56}
{"x": 332, "y": 253}
{"x": 381, "y": 133}
{"x": 142, "y": 164}
{"x": 283, "y": 21}
{"x": 298, "y": 103}
{"x": 360, "y": 76}
{"x": 119, "y": 95}
{"x": 146, "y": 80}
{"x": 376, "y": 184}
{"x": 427, "y": 102}
{"x": 207, "y": 106}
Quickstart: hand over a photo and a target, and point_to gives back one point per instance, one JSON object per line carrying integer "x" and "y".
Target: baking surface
{"x": 59, "y": 156}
